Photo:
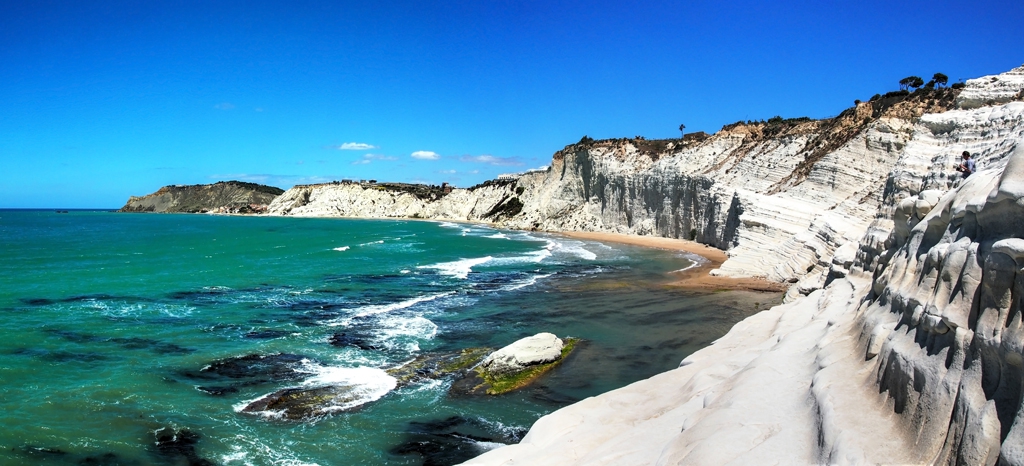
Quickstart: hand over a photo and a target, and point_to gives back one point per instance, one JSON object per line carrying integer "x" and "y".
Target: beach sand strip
{"x": 695, "y": 277}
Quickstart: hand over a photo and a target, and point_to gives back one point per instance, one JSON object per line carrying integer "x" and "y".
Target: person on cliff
{"x": 967, "y": 166}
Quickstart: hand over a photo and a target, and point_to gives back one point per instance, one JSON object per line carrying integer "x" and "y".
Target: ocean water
{"x": 110, "y": 319}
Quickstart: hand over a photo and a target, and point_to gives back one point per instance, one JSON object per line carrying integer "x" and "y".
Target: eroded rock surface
{"x": 541, "y": 348}
{"x": 907, "y": 351}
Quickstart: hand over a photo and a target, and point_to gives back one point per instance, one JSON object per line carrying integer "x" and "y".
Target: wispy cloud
{"x": 492, "y": 160}
{"x": 224, "y": 106}
{"x": 447, "y": 172}
{"x": 356, "y": 146}
{"x": 425, "y": 155}
{"x": 368, "y": 158}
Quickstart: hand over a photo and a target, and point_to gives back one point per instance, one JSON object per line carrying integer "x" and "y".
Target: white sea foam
{"x": 343, "y": 248}
{"x": 372, "y": 243}
{"x": 458, "y": 269}
{"x": 497, "y": 236}
{"x": 695, "y": 261}
{"x": 525, "y": 283}
{"x": 383, "y": 308}
{"x": 416, "y": 327}
{"x": 367, "y": 384}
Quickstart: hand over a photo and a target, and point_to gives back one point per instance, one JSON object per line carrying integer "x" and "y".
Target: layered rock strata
{"x": 781, "y": 196}
{"x": 909, "y": 350}
{"x": 220, "y": 197}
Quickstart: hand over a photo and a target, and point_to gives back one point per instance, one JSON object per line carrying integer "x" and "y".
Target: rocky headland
{"x": 901, "y": 337}
{"x": 236, "y": 197}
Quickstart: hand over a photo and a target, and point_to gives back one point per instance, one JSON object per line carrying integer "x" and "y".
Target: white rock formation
{"x": 779, "y": 198}
{"x": 541, "y": 348}
{"x": 910, "y": 352}
{"x": 903, "y": 339}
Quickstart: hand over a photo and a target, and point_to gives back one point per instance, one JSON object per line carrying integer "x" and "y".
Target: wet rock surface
{"x": 297, "y": 404}
{"x": 437, "y": 365}
{"x": 451, "y": 440}
{"x": 228, "y": 375}
{"x": 514, "y": 366}
{"x": 179, "y": 447}
{"x": 346, "y": 339}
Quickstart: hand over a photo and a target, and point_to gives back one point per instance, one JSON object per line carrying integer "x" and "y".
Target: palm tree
{"x": 681, "y": 133}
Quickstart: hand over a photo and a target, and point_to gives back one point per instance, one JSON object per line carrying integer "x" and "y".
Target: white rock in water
{"x": 541, "y": 348}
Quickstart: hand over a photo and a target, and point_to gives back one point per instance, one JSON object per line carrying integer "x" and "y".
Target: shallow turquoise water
{"x": 109, "y": 316}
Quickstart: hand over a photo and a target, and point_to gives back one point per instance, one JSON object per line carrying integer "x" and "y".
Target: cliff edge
{"x": 909, "y": 351}
{"x": 220, "y": 197}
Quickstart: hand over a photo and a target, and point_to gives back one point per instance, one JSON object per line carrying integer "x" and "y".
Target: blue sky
{"x": 103, "y": 100}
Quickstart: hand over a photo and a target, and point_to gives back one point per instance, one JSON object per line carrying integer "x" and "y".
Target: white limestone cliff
{"x": 910, "y": 352}
{"x": 902, "y": 340}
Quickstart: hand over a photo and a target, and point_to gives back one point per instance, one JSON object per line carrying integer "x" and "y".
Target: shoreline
{"x": 696, "y": 277}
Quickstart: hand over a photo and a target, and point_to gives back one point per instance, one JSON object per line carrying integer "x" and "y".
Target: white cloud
{"x": 224, "y": 106}
{"x": 491, "y": 160}
{"x": 361, "y": 162}
{"x": 447, "y": 172}
{"x": 425, "y": 155}
{"x": 356, "y": 146}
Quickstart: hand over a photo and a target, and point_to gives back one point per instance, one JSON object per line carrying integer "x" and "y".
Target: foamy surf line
{"x": 383, "y": 308}
{"x": 695, "y": 261}
{"x": 458, "y": 269}
{"x": 360, "y": 385}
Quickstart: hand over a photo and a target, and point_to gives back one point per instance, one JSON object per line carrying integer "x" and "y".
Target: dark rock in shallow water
{"x": 60, "y": 356}
{"x": 227, "y": 375}
{"x": 278, "y": 366}
{"x": 266, "y": 334}
{"x": 106, "y": 459}
{"x": 44, "y": 455}
{"x": 437, "y": 365}
{"x": 40, "y": 452}
{"x": 344, "y": 339}
{"x": 452, "y": 440}
{"x": 218, "y": 391}
{"x": 179, "y": 447}
{"x": 296, "y": 404}
{"x": 156, "y": 346}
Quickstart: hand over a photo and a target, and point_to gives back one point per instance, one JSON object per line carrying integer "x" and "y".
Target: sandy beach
{"x": 693, "y": 278}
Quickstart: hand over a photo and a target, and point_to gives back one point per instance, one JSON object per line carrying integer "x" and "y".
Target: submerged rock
{"x": 228, "y": 375}
{"x": 344, "y": 339}
{"x": 179, "y": 447}
{"x": 278, "y": 366}
{"x": 438, "y": 365}
{"x": 296, "y": 404}
{"x": 515, "y": 366}
{"x": 266, "y": 334}
{"x": 452, "y": 440}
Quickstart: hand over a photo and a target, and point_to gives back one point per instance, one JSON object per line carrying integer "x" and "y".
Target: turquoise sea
{"x": 119, "y": 330}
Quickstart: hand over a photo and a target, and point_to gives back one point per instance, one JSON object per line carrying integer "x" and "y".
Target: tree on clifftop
{"x": 681, "y": 128}
{"x": 940, "y": 79}
{"x": 911, "y": 82}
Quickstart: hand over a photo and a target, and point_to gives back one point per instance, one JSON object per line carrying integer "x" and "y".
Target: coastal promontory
{"x": 220, "y": 197}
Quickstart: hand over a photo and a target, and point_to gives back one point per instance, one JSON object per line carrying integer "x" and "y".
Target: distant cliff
{"x": 220, "y": 197}
{"x": 780, "y": 195}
